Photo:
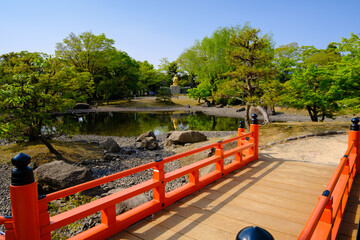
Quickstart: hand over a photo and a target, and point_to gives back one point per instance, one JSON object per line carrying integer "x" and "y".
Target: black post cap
{"x": 254, "y": 118}
{"x": 22, "y": 174}
{"x": 242, "y": 124}
{"x": 355, "y": 124}
{"x": 254, "y": 233}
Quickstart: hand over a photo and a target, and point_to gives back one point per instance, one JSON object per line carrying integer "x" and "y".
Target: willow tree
{"x": 206, "y": 60}
{"x": 251, "y": 58}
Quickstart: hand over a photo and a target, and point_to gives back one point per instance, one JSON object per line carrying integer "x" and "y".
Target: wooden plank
{"x": 148, "y": 229}
{"x": 250, "y": 186}
{"x": 350, "y": 221}
{"x": 124, "y": 235}
{"x": 188, "y": 227}
{"x": 260, "y": 207}
{"x": 269, "y": 222}
{"x": 216, "y": 220}
{"x": 263, "y": 198}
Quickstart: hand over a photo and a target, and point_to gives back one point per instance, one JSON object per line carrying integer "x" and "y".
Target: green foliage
{"x": 286, "y": 59}
{"x": 206, "y": 59}
{"x": 150, "y": 79}
{"x": 63, "y": 205}
{"x": 313, "y": 89}
{"x": 201, "y": 92}
{"x": 251, "y": 58}
{"x": 32, "y": 89}
{"x": 164, "y": 95}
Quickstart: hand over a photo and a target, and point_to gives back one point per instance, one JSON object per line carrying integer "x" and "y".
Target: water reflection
{"x": 134, "y": 124}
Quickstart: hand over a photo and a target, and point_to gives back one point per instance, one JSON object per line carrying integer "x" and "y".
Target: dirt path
{"x": 323, "y": 150}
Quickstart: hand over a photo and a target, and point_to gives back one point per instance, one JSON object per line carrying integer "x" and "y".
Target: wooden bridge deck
{"x": 350, "y": 220}
{"x": 277, "y": 195}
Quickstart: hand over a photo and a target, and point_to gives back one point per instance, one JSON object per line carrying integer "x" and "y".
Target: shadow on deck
{"x": 275, "y": 194}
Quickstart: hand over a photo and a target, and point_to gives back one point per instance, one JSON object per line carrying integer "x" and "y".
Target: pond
{"x": 133, "y": 124}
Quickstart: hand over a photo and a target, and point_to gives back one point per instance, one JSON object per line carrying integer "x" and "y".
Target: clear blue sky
{"x": 151, "y": 29}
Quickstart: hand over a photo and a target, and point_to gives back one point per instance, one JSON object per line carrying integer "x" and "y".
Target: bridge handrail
{"x": 245, "y": 152}
{"x": 324, "y": 221}
{"x": 97, "y": 182}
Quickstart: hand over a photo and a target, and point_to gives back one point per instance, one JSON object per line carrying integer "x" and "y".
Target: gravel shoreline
{"x": 100, "y": 167}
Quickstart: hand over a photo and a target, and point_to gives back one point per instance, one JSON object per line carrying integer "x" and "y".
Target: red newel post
{"x": 241, "y": 129}
{"x": 24, "y": 200}
{"x": 254, "y": 128}
{"x": 354, "y": 135}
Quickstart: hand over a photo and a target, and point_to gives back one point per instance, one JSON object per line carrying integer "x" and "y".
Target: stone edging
{"x": 320, "y": 134}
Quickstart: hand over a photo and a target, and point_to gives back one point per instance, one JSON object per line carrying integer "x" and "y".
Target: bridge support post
{"x": 24, "y": 200}
{"x": 354, "y": 135}
{"x": 254, "y": 129}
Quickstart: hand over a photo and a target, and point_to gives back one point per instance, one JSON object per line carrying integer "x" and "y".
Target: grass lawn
{"x": 40, "y": 154}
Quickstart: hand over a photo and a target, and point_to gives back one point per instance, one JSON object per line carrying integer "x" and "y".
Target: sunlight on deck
{"x": 277, "y": 195}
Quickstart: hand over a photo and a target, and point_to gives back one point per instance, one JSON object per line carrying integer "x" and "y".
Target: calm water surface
{"x": 134, "y": 124}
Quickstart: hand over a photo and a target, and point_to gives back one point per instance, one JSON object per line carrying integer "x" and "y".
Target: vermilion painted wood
{"x": 245, "y": 152}
{"x": 325, "y": 219}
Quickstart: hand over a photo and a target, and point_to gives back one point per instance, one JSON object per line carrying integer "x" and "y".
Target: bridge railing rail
{"x": 324, "y": 222}
{"x": 30, "y": 217}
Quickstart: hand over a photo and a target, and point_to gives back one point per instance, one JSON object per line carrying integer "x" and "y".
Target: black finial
{"x": 326, "y": 193}
{"x": 22, "y": 174}
{"x": 254, "y": 233}
{"x": 254, "y": 118}
{"x": 355, "y": 124}
{"x": 242, "y": 124}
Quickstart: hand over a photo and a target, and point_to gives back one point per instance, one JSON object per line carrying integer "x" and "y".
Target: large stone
{"x": 145, "y": 135}
{"x": 129, "y": 203}
{"x": 110, "y": 145}
{"x": 59, "y": 175}
{"x": 149, "y": 143}
{"x": 182, "y": 137}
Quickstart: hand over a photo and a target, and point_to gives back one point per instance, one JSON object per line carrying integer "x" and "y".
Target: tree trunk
{"x": 213, "y": 123}
{"x": 264, "y": 113}
{"x": 52, "y": 149}
{"x": 247, "y": 115}
{"x": 313, "y": 114}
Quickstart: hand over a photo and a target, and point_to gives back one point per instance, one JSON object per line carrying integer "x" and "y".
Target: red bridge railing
{"x": 30, "y": 219}
{"x": 325, "y": 219}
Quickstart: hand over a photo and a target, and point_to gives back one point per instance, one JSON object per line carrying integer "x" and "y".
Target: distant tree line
{"x": 241, "y": 65}
{"x": 235, "y": 65}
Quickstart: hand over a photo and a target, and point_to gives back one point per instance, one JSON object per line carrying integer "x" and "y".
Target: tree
{"x": 347, "y": 72}
{"x": 251, "y": 58}
{"x": 312, "y": 85}
{"x": 313, "y": 88}
{"x": 119, "y": 77}
{"x": 33, "y": 88}
{"x": 150, "y": 79}
{"x": 286, "y": 59}
{"x": 87, "y": 53}
{"x": 206, "y": 59}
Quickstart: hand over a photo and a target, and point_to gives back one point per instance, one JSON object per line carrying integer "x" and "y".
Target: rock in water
{"x": 182, "y": 137}
{"x": 111, "y": 145}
